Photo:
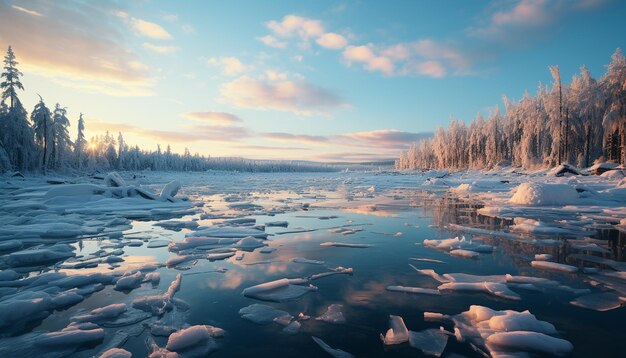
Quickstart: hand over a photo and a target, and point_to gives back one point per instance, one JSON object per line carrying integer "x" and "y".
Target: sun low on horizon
{"x": 347, "y": 81}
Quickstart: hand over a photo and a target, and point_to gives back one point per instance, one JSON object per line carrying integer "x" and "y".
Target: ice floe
{"x": 280, "y": 290}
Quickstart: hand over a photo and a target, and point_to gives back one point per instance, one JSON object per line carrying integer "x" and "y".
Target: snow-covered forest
{"x": 42, "y": 142}
{"x": 578, "y": 123}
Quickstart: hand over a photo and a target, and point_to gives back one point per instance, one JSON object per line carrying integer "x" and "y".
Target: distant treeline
{"x": 577, "y": 123}
{"x": 41, "y": 142}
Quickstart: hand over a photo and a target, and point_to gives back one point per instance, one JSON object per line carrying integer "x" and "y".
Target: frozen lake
{"x": 565, "y": 263}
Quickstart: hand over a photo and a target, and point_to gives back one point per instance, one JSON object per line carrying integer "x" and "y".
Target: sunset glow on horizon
{"x": 347, "y": 81}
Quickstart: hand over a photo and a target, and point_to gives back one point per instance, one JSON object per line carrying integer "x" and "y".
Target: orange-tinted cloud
{"x": 57, "y": 46}
{"x": 298, "y": 96}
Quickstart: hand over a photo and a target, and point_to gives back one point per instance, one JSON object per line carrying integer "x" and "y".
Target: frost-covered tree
{"x": 17, "y": 134}
{"x": 614, "y": 121}
{"x": 578, "y": 123}
{"x": 80, "y": 146}
{"x": 43, "y": 127}
{"x": 61, "y": 142}
{"x": 11, "y": 78}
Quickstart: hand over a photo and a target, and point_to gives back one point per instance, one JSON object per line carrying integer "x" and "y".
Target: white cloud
{"x": 159, "y": 48}
{"x": 371, "y": 61}
{"x": 230, "y": 66}
{"x": 111, "y": 68}
{"x": 27, "y": 11}
{"x": 332, "y": 40}
{"x": 217, "y": 118}
{"x": 150, "y": 29}
{"x": 298, "y": 97}
{"x": 292, "y": 25}
{"x": 271, "y": 41}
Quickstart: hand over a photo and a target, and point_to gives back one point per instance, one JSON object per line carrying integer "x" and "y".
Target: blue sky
{"x": 318, "y": 80}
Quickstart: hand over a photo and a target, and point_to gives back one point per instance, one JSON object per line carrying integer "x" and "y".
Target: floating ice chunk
{"x": 102, "y": 313}
{"x": 277, "y": 224}
{"x": 267, "y": 250}
{"x": 436, "y": 317}
{"x": 245, "y": 206}
{"x": 529, "y": 342}
{"x": 239, "y": 222}
{"x": 336, "y": 271}
{"x": 302, "y": 260}
{"x": 542, "y": 194}
{"x": 430, "y": 273}
{"x": 170, "y": 190}
{"x": 426, "y": 260}
{"x": 501, "y": 290}
{"x": 229, "y": 232}
{"x": 129, "y": 282}
{"x": 337, "y": 353}
{"x": 159, "y": 304}
{"x": 74, "y": 337}
{"x": 601, "y": 302}
{"x": 465, "y": 277}
{"x": 492, "y": 288}
{"x": 543, "y": 257}
{"x": 177, "y": 224}
{"x": 262, "y": 314}
{"x": 456, "y": 243}
{"x": 116, "y": 353}
{"x": 538, "y": 281}
{"x": 192, "y": 336}
{"x": 342, "y": 244}
{"x": 157, "y": 243}
{"x": 547, "y": 265}
{"x": 280, "y": 290}
{"x": 248, "y": 244}
{"x": 333, "y": 314}
{"x": 467, "y": 254}
{"x": 431, "y": 342}
{"x": 153, "y": 277}
{"x": 519, "y": 321}
{"x": 397, "y": 333}
{"x": 420, "y": 290}
{"x": 507, "y": 333}
{"x": 191, "y": 242}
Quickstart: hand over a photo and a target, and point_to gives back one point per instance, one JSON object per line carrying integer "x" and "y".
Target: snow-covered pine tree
{"x": 80, "y": 146}
{"x": 62, "y": 144}
{"x": 43, "y": 127}
{"x": 17, "y": 134}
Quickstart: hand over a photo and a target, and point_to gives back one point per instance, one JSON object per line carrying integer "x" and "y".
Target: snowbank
{"x": 540, "y": 194}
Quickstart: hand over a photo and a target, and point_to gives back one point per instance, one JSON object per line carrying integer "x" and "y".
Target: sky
{"x": 310, "y": 80}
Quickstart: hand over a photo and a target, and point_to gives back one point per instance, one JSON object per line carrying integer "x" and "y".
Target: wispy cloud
{"x": 229, "y": 66}
{"x": 332, "y": 40}
{"x": 303, "y": 30}
{"x": 27, "y": 11}
{"x": 299, "y": 138}
{"x": 272, "y": 41}
{"x": 525, "y": 20}
{"x": 296, "y": 96}
{"x": 150, "y": 29}
{"x": 57, "y": 46}
{"x": 197, "y": 133}
{"x": 268, "y": 148}
{"x": 159, "y": 48}
{"x": 217, "y": 118}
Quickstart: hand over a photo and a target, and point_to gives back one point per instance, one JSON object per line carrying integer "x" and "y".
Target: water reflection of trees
{"x": 447, "y": 210}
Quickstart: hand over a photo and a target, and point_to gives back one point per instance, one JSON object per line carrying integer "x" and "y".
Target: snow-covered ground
{"x": 169, "y": 263}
